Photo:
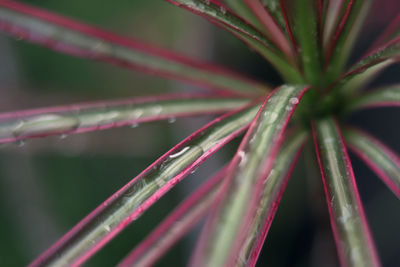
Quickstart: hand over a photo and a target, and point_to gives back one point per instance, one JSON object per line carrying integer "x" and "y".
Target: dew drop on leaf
{"x": 270, "y": 116}
{"x": 107, "y": 228}
{"x": 20, "y": 143}
{"x": 157, "y": 110}
{"x": 294, "y": 100}
{"x": 172, "y": 156}
{"x": 194, "y": 170}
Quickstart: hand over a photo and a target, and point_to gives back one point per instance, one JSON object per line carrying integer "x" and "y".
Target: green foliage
{"x": 308, "y": 43}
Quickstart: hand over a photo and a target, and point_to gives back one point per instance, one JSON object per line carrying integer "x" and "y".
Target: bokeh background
{"x": 47, "y": 185}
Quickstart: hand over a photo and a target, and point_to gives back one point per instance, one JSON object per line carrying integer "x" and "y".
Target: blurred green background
{"x": 48, "y": 185}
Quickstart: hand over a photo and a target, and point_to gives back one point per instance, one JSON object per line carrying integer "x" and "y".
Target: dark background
{"x": 48, "y": 185}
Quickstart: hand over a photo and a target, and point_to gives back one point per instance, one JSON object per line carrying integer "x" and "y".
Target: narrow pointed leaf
{"x": 391, "y": 32}
{"x": 382, "y": 160}
{"x": 67, "y": 36}
{"x": 79, "y": 118}
{"x": 221, "y": 16}
{"x": 272, "y": 192}
{"x": 344, "y": 37}
{"x": 288, "y": 73}
{"x": 274, "y": 32}
{"x": 127, "y": 204}
{"x": 240, "y": 8}
{"x": 176, "y": 225}
{"x": 350, "y": 229}
{"x": 362, "y": 72}
{"x": 289, "y": 21}
{"x": 241, "y": 192}
{"x": 305, "y": 30}
{"x": 382, "y": 97}
{"x": 331, "y": 21}
{"x": 273, "y": 7}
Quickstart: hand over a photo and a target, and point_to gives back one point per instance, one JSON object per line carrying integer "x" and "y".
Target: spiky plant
{"x": 308, "y": 43}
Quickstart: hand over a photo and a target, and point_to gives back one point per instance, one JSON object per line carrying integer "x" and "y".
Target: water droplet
{"x": 157, "y": 110}
{"x": 271, "y": 116}
{"x": 243, "y": 159}
{"x": 44, "y": 124}
{"x": 270, "y": 175}
{"x": 346, "y": 214}
{"x": 137, "y": 113}
{"x": 172, "y": 120}
{"x": 134, "y": 125}
{"x": 222, "y": 9}
{"x": 174, "y": 182}
{"x": 172, "y": 156}
{"x": 20, "y": 143}
{"x": 252, "y": 139}
{"x": 102, "y": 48}
{"x": 63, "y": 136}
{"x": 329, "y": 140}
{"x": 110, "y": 116}
{"x": 194, "y": 170}
{"x": 20, "y": 35}
{"x": 294, "y": 100}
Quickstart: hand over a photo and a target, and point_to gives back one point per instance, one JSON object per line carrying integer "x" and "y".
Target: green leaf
{"x": 352, "y": 236}
{"x": 362, "y": 72}
{"x": 346, "y": 33}
{"x": 306, "y": 33}
{"x": 382, "y": 160}
{"x": 332, "y": 17}
{"x": 67, "y": 36}
{"x": 128, "y": 204}
{"x": 272, "y": 192}
{"x": 390, "y": 33}
{"x": 180, "y": 221}
{"x": 241, "y": 192}
{"x": 273, "y": 7}
{"x": 381, "y": 97}
{"x": 243, "y": 11}
{"x": 273, "y": 30}
{"x": 79, "y": 118}
{"x": 222, "y": 17}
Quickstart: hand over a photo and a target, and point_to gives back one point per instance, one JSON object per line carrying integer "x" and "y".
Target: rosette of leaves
{"x": 308, "y": 43}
